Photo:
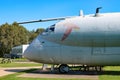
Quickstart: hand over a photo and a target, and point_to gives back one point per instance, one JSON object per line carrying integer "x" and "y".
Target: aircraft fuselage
{"x": 79, "y": 40}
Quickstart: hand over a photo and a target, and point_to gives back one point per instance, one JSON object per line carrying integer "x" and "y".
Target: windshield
{"x": 51, "y": 28}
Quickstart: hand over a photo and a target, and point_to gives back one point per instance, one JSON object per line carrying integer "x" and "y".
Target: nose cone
{"x": 33, "y": 51}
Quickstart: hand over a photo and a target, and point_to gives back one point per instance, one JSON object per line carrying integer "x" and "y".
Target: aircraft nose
{"x": 27, "y": 54}
{"x": 33, "y": 50}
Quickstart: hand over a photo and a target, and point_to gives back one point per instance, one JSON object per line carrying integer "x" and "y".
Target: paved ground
{"x": 71, "y": 75}
{"x": 48, "y": 74}
{"x": 7, "y": 71}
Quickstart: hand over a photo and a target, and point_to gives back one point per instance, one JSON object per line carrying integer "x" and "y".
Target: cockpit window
{"x": 51, "y": 28}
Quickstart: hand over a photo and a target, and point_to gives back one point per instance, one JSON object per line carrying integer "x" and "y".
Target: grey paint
{"x": 97, "y": 42}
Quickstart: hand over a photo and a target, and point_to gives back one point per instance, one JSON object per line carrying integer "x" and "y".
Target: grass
{"x": 19, "y": 64}
{"x": 17, "y": 60}
{"x": 110, "y": 73}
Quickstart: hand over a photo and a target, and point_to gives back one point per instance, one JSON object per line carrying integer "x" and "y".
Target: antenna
{"x": 81, "y": 13}
{"x": 44, "y": 20}
{"x": 41, "y": 20}
{"x": 97, "y": 11}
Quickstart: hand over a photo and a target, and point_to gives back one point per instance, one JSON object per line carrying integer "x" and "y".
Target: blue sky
{"x": 26, "y": 10}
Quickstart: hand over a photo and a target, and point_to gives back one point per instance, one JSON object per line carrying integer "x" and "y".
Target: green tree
{"x": 13, "y": 35}
{"x": 33, "y": 34}
{"x": 10, "y": 36}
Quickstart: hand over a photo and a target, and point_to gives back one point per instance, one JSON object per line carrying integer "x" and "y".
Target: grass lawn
{"x": 110, "y": 73}
{"x": 19, "y": 64}
{"x": 17, "y": 60}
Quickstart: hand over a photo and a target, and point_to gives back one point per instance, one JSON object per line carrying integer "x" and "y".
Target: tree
{"x": 14, "y": 35}
{"x": 34, "y": 34}
{"x": 10, "y": 36}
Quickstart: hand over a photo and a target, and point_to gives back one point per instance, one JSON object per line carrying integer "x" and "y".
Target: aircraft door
{"x": 98, "y": 48}
{"x": 112, "y": 42}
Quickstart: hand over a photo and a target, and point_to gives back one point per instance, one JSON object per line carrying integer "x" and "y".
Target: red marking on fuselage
{"x": 68, "y": 30}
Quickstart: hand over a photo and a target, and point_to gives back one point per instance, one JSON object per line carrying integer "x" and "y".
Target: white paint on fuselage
{"x": 101, "y": 30}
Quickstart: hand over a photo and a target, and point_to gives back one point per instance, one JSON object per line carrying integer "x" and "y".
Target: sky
{"x": 27, "y": 10}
